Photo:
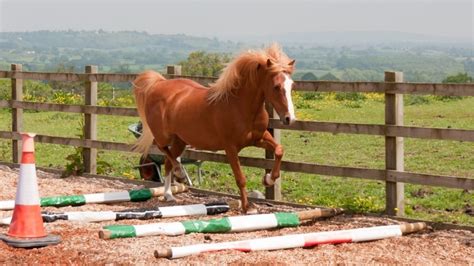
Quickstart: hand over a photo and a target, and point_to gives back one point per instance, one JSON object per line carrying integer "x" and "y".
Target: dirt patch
{"x": 81, "y": 244}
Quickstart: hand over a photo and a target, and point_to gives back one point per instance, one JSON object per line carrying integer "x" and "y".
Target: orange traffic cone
{"x": 26, "y": 227}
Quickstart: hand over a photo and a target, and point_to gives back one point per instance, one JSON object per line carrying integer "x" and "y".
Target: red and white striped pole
{"x": 26, "y": 228}
{"x": 295, "y": 240}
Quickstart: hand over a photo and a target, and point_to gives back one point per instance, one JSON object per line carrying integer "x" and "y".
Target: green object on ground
{"x": 121, "y": 231}
{"x": 73, "y": 200}
{"x": 140, "y": 195}
{"x": 211, "y": 226}
{"x": 287, "y": 219}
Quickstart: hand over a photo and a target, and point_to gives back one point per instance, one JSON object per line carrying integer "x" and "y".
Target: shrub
{"x": 5, "y": 89}
{"x": 39, "y": 91}
{"x": 416, "y": 100}
{"x": 446, "y": 98}
{"x": 62, "y": 97}
{"x": 349, "y": 96}
{"x": 363, "y": 205}
{"x": 312, "y": 96}
{"x": 299, "y": 101}
{"x": 352, "y": 104}
{"x": 126, "y": 100}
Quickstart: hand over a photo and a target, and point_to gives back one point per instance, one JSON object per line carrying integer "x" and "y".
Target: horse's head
{"x": 277, "y": 91}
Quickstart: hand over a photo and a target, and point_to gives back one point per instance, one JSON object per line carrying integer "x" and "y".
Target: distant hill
{"x": 346, "y": 56}
{"x": 350, "y": 38}
{"x": 107, "y": 40}
{"x": 47, "y": 49}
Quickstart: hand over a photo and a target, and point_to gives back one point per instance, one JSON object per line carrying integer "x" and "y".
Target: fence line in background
{"x": 393, "y": 87}
{"x": 442, "y": 89}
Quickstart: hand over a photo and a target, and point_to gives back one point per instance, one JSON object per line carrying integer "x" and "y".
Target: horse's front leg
{"x": 267, "y": 142}
{"x": 233, "y": 158}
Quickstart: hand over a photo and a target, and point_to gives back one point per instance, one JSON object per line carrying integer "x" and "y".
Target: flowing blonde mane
{"x": 244, "y": 71}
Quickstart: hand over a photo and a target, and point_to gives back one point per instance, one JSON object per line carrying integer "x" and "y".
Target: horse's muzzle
{"x": 286, "y": 120}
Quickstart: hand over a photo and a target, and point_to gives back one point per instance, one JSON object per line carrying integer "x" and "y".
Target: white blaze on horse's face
{"x": 288, "y": 85}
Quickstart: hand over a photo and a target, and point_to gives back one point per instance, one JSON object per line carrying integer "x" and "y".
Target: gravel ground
{"x": 81, "y": 244}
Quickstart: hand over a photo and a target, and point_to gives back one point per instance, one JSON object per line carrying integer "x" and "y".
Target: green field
{"x": 423, "y": 156}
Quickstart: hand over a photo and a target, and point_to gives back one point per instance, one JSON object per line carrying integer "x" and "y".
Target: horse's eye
{"x": 277, "y": 87}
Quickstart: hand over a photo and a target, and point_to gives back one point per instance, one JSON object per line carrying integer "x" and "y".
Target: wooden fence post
{"x": 17, "y": 113}
{"x": 173, "y": 70}
{"x": 273, "y": 192}
{"x": 90, "y": 124}
{"x": 394, "y": 150}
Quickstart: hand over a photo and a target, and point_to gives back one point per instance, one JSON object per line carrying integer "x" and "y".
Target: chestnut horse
{"x": 229, "y": 116}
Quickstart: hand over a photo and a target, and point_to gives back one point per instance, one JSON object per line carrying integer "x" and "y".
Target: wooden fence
{"x": 394, "y": 131}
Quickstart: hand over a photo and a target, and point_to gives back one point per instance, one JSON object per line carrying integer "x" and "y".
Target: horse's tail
{"x": 141, "y": 85}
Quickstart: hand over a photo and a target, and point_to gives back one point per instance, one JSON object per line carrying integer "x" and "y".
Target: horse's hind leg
{"x": 267, "y": 142}
{"x": 172, "y": 153}
{"x": 168, "y": 194}
{"x": 177, "y": 148}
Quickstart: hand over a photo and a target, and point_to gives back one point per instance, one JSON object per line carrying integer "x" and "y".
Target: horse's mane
{"x": 243, "y": 71}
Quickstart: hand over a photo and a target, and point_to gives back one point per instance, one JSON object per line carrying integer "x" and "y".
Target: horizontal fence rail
{"x": 310, "y": 168}
{"x": 70, "y": 108}
{"x": 381, "y": 130}
{"x": 445, "y": 89}
{"x": 312, "y": 126}
{"x": 393, "y": 130}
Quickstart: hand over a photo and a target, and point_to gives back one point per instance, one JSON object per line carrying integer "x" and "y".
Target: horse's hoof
{"x": 252, "y": 210}
{"x": 169, "y": 198}
{"x": 181, "y": 180}
{"x": 267, "y": 180}
{"x": 179, "y": 171}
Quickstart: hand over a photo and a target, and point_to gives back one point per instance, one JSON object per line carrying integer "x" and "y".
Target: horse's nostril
{"x": 287, "y": 120}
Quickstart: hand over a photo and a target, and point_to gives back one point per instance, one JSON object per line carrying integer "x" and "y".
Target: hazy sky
{"x": 450, "y": 18}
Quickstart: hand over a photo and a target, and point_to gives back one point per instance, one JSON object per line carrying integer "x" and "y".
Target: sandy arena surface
{"x": 81, "y": 244}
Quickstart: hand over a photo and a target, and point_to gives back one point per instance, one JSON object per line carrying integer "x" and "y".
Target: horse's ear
{"x": 269, "y": 62}
{"x": 292, "y": 62}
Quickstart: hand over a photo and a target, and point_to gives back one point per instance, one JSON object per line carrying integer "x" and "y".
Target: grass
{"x": 424, "y": 156}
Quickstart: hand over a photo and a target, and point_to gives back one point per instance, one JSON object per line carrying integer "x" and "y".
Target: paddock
{"x": 81, "y": 243}
{"x": 443, "y": 243}
{"x": 393, "y": 129}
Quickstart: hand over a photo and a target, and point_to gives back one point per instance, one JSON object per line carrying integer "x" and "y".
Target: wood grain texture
{"x": 17, "y": 113}
{"x": 443, "y": 89}
{"x": 90, "y": 123}
{"x": 394, "y": 148}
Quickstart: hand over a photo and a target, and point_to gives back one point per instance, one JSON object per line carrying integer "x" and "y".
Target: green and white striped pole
{"x": 107, "y": 197}
{"x": 141, "y": 214}
{"x": 226, "y": 224}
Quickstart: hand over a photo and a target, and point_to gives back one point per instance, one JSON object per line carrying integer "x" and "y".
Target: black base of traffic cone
{"x": 31, "y": 242}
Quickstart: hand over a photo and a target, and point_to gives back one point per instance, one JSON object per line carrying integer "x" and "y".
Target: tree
{"x": 201, "y": 63}
{"x": 459, "y": 78}
{"x": 469, "y": 65}
{"x": 37, "y": 90}
{"x": 329, "y": 76}
{"x": 72, "y": 87}
{"x": 123, "y": 68}
{"x": 309, "y": 76}
{"x": 352, "y": 74}
{"x": 5, "y": 89}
